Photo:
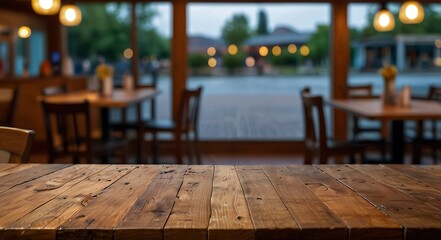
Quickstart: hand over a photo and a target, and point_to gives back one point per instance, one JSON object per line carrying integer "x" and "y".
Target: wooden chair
{"x": 8, "y": 101}
{"x": 15, "y": 144}
{"x": 421, "y": 137}
{"x": 186, "y": 123}
{"x": 316, "y": 140}
{"x": 365, "y": 92}
{"x": 73, "y": 137}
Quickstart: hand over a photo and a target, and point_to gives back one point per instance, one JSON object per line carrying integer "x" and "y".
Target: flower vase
{"x": 106, "y": 86}
{"x": 389, "y": 91}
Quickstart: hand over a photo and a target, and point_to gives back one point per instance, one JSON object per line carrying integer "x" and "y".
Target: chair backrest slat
{"x": 360, "y": 91}
{"x": 188, "y": 114}
{"x": 8, "y": 100}
{"x": 16, "y": 142}
{"x": 71, "y": 116}
{"x": 312, "y": 108}
{"x": 435, "y": 93}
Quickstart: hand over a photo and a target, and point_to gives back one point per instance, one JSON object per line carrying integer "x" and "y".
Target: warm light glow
{"x": 411, "y": 12}
{"x": 24, "y": 32}
{"x": 263, "y": 51}
{"x": 211, "y": 51}
{"x": 212, "y": 62}
{"x": 128, "y": 53}
{"x": 437, "y": 61}
{"x": 250, "y": 62}
{"x": 292, "y": 48}
{"x": 46, "y": 7}
{"x": 438, "y": 43}
{"x": 232, "y": 49}
{"x": 304, "y": 50}
{"x": 384, "y": 21}
{"x": 70, "y": 15}
{"x": 276, "y": 51}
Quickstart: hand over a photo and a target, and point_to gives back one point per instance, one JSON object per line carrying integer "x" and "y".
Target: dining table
{"x": 195, "y": 202}
{"x": 120, "y": 98}
{"x": 375, "y": 109}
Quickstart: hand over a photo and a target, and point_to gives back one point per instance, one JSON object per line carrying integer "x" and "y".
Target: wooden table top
{"x": 374, "y": 109}
{"x": 119, "y": 97}
{"x": 43, "y": 201}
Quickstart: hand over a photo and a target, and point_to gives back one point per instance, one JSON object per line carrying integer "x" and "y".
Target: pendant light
{"x": 384, "y": 20}
{"x": 46, "y": 7}
{"x": 411, "y": 12}
{"x": 70, "y": 15}
{"x": 24, "y": 32}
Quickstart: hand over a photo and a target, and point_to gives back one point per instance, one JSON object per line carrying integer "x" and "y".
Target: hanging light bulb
{"x": 24, "y": 32}
{"x": 384, "y": 20}
{"x": 411, "y": 12}
{"x": 46, "y": 7}
{"x": 70, "y": 15}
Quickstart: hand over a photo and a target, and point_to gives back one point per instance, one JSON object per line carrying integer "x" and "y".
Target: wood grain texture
{"x": 5, "y": 170}
{"x": 191, "y": 212}
{"x": 101, "y": 216}
{"x": 421, "y": 221}
{"x": 431, "y": 176}
{"x": 26, "y": 174}
{"x": 230, "y": 218}
{"x": 147, "y": 218}
{"x": 419, "y": 190}
{"x": 270, "y": 216}
{"x": 119, "y": 98}
{"x": 30, "y": 195}
{"x": 374, "y": 109}
{"x": 355, "y": 212}
{"x": 432, "y": 169}
{"x": 316, "y": 220}
{"x": 42, "y": 223}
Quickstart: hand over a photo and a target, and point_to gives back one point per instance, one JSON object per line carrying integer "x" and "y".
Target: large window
{"x": 253, "y": 60}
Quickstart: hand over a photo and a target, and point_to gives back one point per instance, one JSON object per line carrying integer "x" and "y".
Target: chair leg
{"x": 188, "y": 147}
{"x": 154, "y": 148}
{"x": 196, "y": 144}
{"x": 308, "y": 157}
{"x": 178, "y": 146}
{"x": 323, "y": 158}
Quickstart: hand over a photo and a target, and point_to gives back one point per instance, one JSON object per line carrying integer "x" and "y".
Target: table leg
{"x": 105, "y": 130}
{"x": 398, "y": 145}
{"x": 140, "y": 132}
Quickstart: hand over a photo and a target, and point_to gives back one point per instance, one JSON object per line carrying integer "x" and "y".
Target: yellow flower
{"x": 103, "y": 71}
{"x": 388, "y": 72}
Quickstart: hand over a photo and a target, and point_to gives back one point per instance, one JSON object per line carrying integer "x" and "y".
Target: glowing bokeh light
{"x": 292, "y": 48}
{"x": 263, "y": 51}
{"x": 276, "y": 51}
{"x": 212, "y": 62}
{"x": 24, "y": 32}
{"x": 211, "y": 51}
{"x": 250, "y": 62}
{"x": 304, "y": 50}
{"x": 128, "y": 53}
{"x": 232, "y": 49}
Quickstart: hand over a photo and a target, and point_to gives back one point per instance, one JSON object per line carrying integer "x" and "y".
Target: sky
{"x": 208, "y": 19}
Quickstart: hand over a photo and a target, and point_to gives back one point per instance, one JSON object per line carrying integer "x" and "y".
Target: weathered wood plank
{"x": 316, "y": 220}
{"x": 230, "y": 219}
{"x": 426, "y": 175}
{"x": 191, "y": 212}
{"x": 363, "y": 219}
{"x": 31, "y": 195}
{"x": 102, "y": 215}
{"x": 7, "y": 169}
{"x": 147, "y": 218}
{"x": 433, "y": 169}
{"x": 404, "y": 183}
{"x": 421, "y": 221}
{"x": 42, "y": 223}
{"x": 26, "y": 174}
{"x": 271, "y": 218}
{"x": 5, "y": 166}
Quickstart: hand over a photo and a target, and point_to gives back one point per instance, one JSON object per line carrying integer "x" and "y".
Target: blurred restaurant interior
{"x": 38, "y": 64}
